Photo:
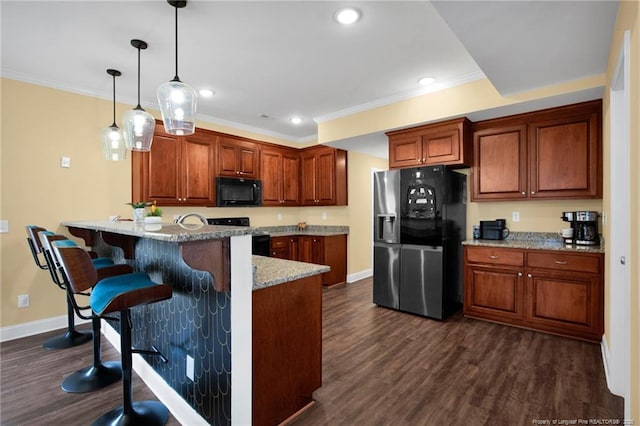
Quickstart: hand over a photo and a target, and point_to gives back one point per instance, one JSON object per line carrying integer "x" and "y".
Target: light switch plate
{"x": 65, "y": 162}
{"x": 4, "y": 226}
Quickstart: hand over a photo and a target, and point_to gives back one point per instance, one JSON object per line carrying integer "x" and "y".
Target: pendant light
{"x": 138, "y": 124}
{"x": 113, "y": 146}
{"x": 177, "y": 100}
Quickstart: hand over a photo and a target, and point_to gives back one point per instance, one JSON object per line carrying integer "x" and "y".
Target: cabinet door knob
{"x": 519, "y": 274}
{"x": 493, "y": 256}
{"x": 529, "y": 275}
{"x": 524, "y": 193}
{"x": 533, "y": 192}
{"x": 560, "y": 262}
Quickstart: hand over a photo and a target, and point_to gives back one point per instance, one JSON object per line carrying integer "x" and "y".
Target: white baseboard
{"x": 17, "y": 331}
{"x": 606, "y": 356}
{"x": 179, "y": 408}
{"x": 359, "y": 275}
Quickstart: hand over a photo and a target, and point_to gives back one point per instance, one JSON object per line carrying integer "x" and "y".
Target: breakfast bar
{"x": 268, "y": 310}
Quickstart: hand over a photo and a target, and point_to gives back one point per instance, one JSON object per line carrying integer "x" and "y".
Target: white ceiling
{"x": 285, "y": 58}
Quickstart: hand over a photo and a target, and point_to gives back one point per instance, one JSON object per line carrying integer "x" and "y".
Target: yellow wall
{"x": 628, "y": 19}
{"x": 478, "y": 95}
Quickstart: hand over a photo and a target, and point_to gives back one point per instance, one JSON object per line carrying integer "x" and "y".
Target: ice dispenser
{"x": 386, "y": 228}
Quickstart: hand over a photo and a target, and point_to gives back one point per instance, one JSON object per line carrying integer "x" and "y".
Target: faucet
{"x": 181, "y": 218}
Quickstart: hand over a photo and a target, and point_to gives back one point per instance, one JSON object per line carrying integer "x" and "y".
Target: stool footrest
{"x": 154, "y": 351}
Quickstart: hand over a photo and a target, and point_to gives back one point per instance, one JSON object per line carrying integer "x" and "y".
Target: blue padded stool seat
{"x": 108, "y": 290}
{"x": 102, "y": 262}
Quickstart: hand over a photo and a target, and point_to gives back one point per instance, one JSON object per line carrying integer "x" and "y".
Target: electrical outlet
{"x": 324, "y": 215}
{"x": 279, "y": 216}
{"x": 4, "y": 226}
{"x": 23, "y": 300}
{"x": 190, "y": 367}
{"x": 65, "y": 162}
{"x": 515, "y": 216}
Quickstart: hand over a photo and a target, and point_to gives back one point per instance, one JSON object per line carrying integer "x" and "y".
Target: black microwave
{"x": 232, "y": 192}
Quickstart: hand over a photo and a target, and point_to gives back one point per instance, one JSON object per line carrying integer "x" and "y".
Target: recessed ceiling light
{"x": 296, "y": 120}
{"x": 425, "y": 81}
{"x": 347, "y": 16}
{"x": 206, "y": 93}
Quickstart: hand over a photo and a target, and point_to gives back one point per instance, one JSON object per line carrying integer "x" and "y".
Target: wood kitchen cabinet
{"x": 328, "y": 250}
{"x": 285, "y": 247}
{"x": 548, "y": 154}
{"x": 494, "y": 284}
{"x": 447, "y": 142}
{"x": 323, "y": 176}
{"x": 280, "y": 176}
{"x": 557, "y": 292}
{"x": 179, "y": 170}
{"x": 238, "y": 157}
{"x": 287, "y": 349}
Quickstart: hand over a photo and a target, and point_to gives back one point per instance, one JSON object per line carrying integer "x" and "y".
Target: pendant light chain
{"x": 176, "y": 78}
{"x": 114, "y": 100}
{"x": 138, "y": 106}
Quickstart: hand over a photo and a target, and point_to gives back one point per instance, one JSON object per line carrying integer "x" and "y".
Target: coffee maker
{"x": 585, "y": 227}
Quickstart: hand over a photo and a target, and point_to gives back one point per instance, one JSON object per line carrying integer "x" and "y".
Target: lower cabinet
{"x": 287, "y": 349}
{"x": 553, "y": 291}
{"x": 323, "y": 250}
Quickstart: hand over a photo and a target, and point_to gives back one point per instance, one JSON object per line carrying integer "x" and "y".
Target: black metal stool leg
{"x": 97, "y": 375}
{"x": 72, "y": 337}
{"x": 139, "y": 413}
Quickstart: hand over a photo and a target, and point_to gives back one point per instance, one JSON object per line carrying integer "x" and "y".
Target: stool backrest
{"x": 77, "y": 265}
{"x": 46, "y": 237}
{"x": 34, "y": 244}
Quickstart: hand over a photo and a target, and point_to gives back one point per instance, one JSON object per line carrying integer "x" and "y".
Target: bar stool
{"x": 117, "y": 294}
{"x": 71, "y": 337}
{"x": 99, "y": 374}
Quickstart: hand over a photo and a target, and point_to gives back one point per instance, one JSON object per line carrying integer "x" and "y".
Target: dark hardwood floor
{"x": 380, "y": 367}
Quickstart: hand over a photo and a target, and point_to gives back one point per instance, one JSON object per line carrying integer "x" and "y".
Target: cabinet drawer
{"x": 564, "y": 262}
{"x": 278, "y": 243}
{"x": 495, "y": 256}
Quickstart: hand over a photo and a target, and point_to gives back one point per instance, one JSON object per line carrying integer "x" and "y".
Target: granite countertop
{"x": 269, "y": 271}
{"x": 168, "y": 231}
{"x": 535, "y": 241}
{"x": 313, "y": 230}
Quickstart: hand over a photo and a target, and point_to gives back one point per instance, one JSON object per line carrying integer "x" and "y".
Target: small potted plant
{"x": 155, "y": 215}
{"x": 139, "y": 210}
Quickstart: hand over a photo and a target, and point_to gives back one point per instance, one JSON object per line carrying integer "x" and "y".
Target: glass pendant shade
{"x": 178, "y": 102}
{"x": 138, "y": 127}
{"x": 113, "y": 146}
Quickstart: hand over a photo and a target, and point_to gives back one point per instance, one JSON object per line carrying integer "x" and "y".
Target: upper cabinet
{"x": 280, "y": 176}
{"x": 323, "y": 176}
{"x": 182, "y": 170}
{"x": 447, "y": 142}
{"x": 238, "y": 157}
{"x": 549, "y": 154}
{"x": 179, "y": 170}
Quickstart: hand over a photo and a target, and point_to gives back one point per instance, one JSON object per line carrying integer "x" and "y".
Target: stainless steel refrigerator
{"x": 420, "y": 222}
{"x": 386, "y": 244}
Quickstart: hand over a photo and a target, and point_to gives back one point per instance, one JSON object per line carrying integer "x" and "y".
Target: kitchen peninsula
{"x": 268, "y": 310}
